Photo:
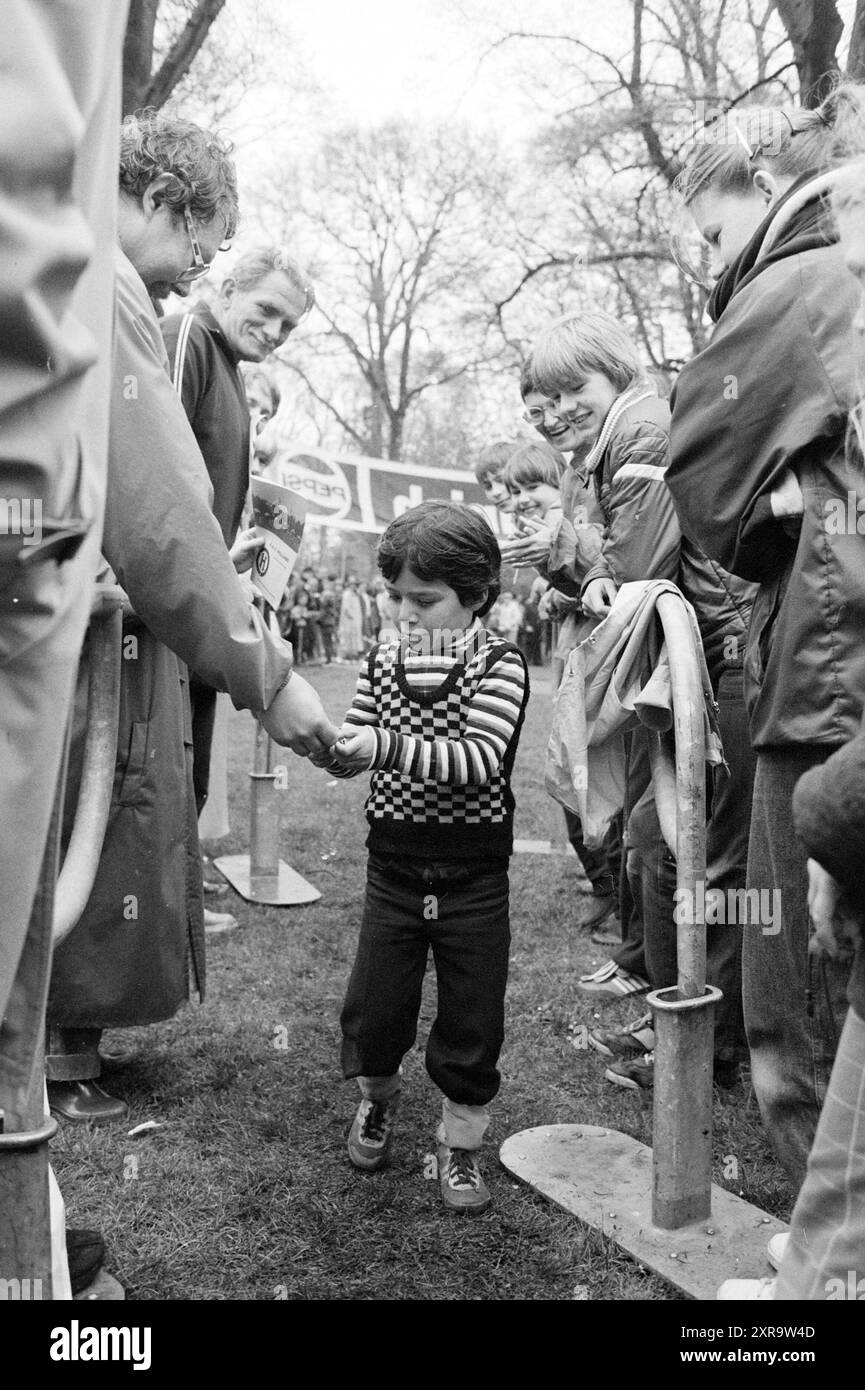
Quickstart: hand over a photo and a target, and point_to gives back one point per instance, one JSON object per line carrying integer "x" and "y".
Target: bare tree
{"x": 150, "y": 75}
{"x": 612, "y": 155}
{"x": 814, "y": 29}
{"x": 404, "y": 220}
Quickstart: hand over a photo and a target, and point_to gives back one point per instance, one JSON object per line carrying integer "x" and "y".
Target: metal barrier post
{"x": 683, "y": 1017}
{"x": 25, "y": 1225}
{"x": 261, "y": 876}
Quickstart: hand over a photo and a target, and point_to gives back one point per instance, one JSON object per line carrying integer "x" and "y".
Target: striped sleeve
{"x": 475, "y": 758}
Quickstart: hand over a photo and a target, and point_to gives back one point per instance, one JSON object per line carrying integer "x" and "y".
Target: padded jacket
{"x": 642, "y": 538}
{"x": 772, "y": 392}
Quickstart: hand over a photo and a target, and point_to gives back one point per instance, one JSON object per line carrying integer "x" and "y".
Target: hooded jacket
{"x": 642, "y": 538}
{"x": 772, "y": 392}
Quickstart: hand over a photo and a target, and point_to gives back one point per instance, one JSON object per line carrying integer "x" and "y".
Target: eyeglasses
{"x": 536, "y": 414}
{"x": 199, "y": 265}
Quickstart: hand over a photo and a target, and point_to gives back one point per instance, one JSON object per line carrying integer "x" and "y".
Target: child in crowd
{"x": 489, "y": 471}
{"x": 436, "y": 717}
{"x": 533, "y": 477}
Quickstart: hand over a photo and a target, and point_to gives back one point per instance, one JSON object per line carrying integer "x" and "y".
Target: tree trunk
{"x": 141, "y": 86}
{"x": 138, "y": 52}
{"x": 814, "y": 29}
{"x": 856, "y": 55}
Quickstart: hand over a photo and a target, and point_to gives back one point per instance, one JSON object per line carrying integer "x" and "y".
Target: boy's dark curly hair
{"x": 448, "y": 542}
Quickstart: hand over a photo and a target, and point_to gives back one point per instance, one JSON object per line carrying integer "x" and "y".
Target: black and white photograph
{"x": 458, "y": 895}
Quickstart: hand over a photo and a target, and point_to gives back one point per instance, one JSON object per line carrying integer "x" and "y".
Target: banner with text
{"x": 365, "y": 494}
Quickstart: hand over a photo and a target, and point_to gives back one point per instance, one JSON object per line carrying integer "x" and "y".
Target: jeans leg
{"x": 827, "y": 1233}
{"x": 794, "y": 1003}
{"x": 630, "y": 955}
{"x": 594, "y": 861}
{"x": 727, "y": 862}
{"x": 203, "y": 701}
{"x": 470, "y": 941}
{"x": 379, "y": 1017}
{"x": 652, "y": 880}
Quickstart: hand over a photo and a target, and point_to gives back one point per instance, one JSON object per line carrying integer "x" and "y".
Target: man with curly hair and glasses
{"x": 138, "y": 949}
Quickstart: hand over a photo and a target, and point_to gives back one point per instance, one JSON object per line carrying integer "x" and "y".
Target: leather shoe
{"x": 85, "y": 1251}
{"x": 84, "y": 1102}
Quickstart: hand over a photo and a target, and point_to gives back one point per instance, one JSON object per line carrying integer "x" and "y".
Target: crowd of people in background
{"x": 331, "y": 620}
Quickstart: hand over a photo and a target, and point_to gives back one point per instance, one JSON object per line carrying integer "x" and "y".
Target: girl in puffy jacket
{"x": 758, "y": 457}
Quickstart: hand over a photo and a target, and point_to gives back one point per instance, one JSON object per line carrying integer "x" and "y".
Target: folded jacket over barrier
{"x": 617, "y": 679}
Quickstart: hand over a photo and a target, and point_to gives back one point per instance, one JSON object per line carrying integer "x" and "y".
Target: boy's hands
{"x": 355, "y": 748}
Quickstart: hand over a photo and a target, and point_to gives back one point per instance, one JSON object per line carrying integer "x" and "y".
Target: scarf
{"x": 638, "y": 391}
{"x": 796, "y": 222}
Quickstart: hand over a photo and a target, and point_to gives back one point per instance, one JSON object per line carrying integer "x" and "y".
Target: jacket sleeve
{"x": 770, "y": 391}
{"x": 187, "y": 346}
{"x": 829, "y": 814}
{"x": 161, "y": 538}
{"x": 642, "y": 540}
{"x": 363, "y": 711}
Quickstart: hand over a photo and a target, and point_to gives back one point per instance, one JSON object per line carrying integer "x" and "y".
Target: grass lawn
{"x": 245, "y": 1191}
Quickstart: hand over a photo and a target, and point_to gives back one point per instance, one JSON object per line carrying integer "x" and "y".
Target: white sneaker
{"x": 777, "y": 1248}
{"x": 746, "y": 1290}
{"x": 217, "y": 922}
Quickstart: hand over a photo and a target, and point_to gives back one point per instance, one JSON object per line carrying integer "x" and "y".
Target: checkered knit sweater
{"x": 446, "y": 733}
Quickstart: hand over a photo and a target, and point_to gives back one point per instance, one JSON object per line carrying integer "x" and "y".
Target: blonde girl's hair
{"x": 578, "y": 344}
{"x": 785, "y": 141}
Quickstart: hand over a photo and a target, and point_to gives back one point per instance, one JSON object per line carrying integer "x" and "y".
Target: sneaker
{"x": 638, "y": 1036}
{"x": 217, "y": 922}
{"x": 371, "y": 1134}
{"x": 609, "y": 935}
{"x": 634, "y": 1073}
{"x": 746, "y": 1290}
{"x": 463, "y": 1188}
{"x": 600, "y": 912}
{"x": 609, "y": 979}
{"x": 777, "y": 1248}
{"x": 85, "y": 1252}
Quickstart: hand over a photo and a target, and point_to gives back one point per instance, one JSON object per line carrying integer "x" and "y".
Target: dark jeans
{"x": 461, "y": 912}
{"x": 795, "y": 1003}
{"x": 631, "y": 954}
{"x": 652, "y": 873}
{"x": 601, "y": 866}
{"x": 202, "y": 698}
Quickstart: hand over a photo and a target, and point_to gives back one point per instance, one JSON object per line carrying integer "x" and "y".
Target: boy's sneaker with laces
{"x": 371, "y": 1134}
{"x": 463, "y": 1188}
{"x": 635, "y": 1073}
{"x": 638, "y": 1036}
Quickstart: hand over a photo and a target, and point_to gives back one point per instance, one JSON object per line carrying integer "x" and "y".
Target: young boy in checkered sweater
{"x": 436, "y": 717}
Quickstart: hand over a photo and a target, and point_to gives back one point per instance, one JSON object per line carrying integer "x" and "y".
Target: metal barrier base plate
{"x": 284, "y": 889}
{"x": 605, "y": 1178}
